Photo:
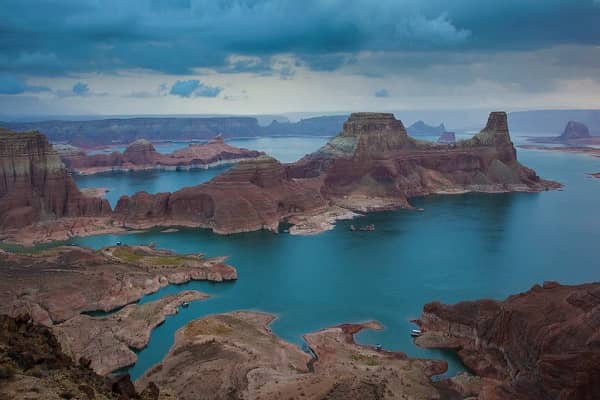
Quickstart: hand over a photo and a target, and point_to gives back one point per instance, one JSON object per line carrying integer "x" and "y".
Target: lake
{"x": 461, "y": 247}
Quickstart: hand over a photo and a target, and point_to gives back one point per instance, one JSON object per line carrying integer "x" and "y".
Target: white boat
{"x": 416, "y": 332}
{"x": 185, "y": 304}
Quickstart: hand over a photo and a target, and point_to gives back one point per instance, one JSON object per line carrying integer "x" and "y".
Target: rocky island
{"x": 371, "y": 165}
{"x": 141, "y": 155}
{"x": 541, "y": 344}
{"x": 575, "y": 134}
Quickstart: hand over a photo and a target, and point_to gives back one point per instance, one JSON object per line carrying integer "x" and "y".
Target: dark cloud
{"x": 57, "y": 37}
{"x": 382, "y": 93}
{"x": 194, "y": 88}
{"x": 10, "y": 84}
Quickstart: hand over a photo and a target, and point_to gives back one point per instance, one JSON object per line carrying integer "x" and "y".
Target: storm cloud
{"x": 59, "y": 37}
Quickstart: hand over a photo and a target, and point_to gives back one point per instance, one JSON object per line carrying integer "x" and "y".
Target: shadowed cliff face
{"x": 35, "y": 186}
{"x": 542, "y": 344}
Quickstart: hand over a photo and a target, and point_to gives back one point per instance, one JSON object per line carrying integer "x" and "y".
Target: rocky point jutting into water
{"x": 371, "y": 165}
{"x": 236, "y": 356}
{"x": 36, "y": 187}
{"x": 541, "y": 344}
{"x": 141, "y": 155}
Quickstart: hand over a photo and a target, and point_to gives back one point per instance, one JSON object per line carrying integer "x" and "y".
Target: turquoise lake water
{"x": 461, "y": 247}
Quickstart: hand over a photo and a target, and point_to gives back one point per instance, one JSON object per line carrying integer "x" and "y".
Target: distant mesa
{"x": 420, "y": 128}
{"x": 447, "y": 138}
{"x": 574, "y": 134}
{"x": 575, "y": 130}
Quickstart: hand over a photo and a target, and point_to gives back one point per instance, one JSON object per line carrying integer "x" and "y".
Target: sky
{"x": 115, "y": 57}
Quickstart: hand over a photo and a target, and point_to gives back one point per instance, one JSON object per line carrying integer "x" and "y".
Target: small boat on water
{"x": 366, "y": 228}
{"x": 416, "y": 332}
{"x": 185, "y": 304}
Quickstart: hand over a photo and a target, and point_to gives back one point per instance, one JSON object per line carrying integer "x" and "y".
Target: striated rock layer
{"x": 371, "y": 165}
{"x": 141, "y": 155}
{"x": 541, "y": 344}
{"x": 35, "y": 185}
{"x": 236, "y": 356}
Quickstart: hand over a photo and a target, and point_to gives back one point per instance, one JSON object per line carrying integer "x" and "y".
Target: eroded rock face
{"x": 575, "y": 130}
{"x": 235, "y": 355}
{"x": 141, "y": 155}
{"x": 33, "y": 366}
{"x": 35, "y": 185}
{"x": 252, "y": 195}
{"x": 541, "y": 344}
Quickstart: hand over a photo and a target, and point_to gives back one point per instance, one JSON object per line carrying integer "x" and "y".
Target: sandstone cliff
{"x": 253, "y": 195}
{"x": 542, "y": 344}
{"x": 35, "y": 185}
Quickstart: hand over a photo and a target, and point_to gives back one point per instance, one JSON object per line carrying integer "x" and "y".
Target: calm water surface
{"x": 462, "y": 247}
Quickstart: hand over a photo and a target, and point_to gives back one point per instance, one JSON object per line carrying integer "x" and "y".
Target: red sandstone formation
{"x": 371, "y": 165}
{"x": 141, "y": 154}
{"x": 35, "y": 185}
{"x": 252, "y": 195}
{"x": 541, "y": 344}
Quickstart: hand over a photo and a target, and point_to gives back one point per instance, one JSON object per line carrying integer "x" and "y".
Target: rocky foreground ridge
{"x": 371, "y": 165}
{"x": 33, "y": 366}
{"x": 541, "y": 344}
{"x": 141, "y": 155}
{"x": 56, "y": 287}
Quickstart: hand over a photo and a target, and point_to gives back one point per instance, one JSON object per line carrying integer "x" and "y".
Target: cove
{"x": 461, "y": 247}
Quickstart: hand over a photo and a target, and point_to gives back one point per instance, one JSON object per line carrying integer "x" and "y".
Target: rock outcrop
{"x": 58, "y": 284}
{"x": 371, "y": 165}
{"x": 33, "y": 366}
{"x": 35, "y": 185}
{"x": 541, "y": 344}
{"x": 235, "y": 355}
{"x": 575, "y": 130}
{"x": 141, "y": 155}
{"x": 252, "y": 195}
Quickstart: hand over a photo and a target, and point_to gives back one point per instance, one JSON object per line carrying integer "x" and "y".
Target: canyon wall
{"x": 35, "y": 185}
